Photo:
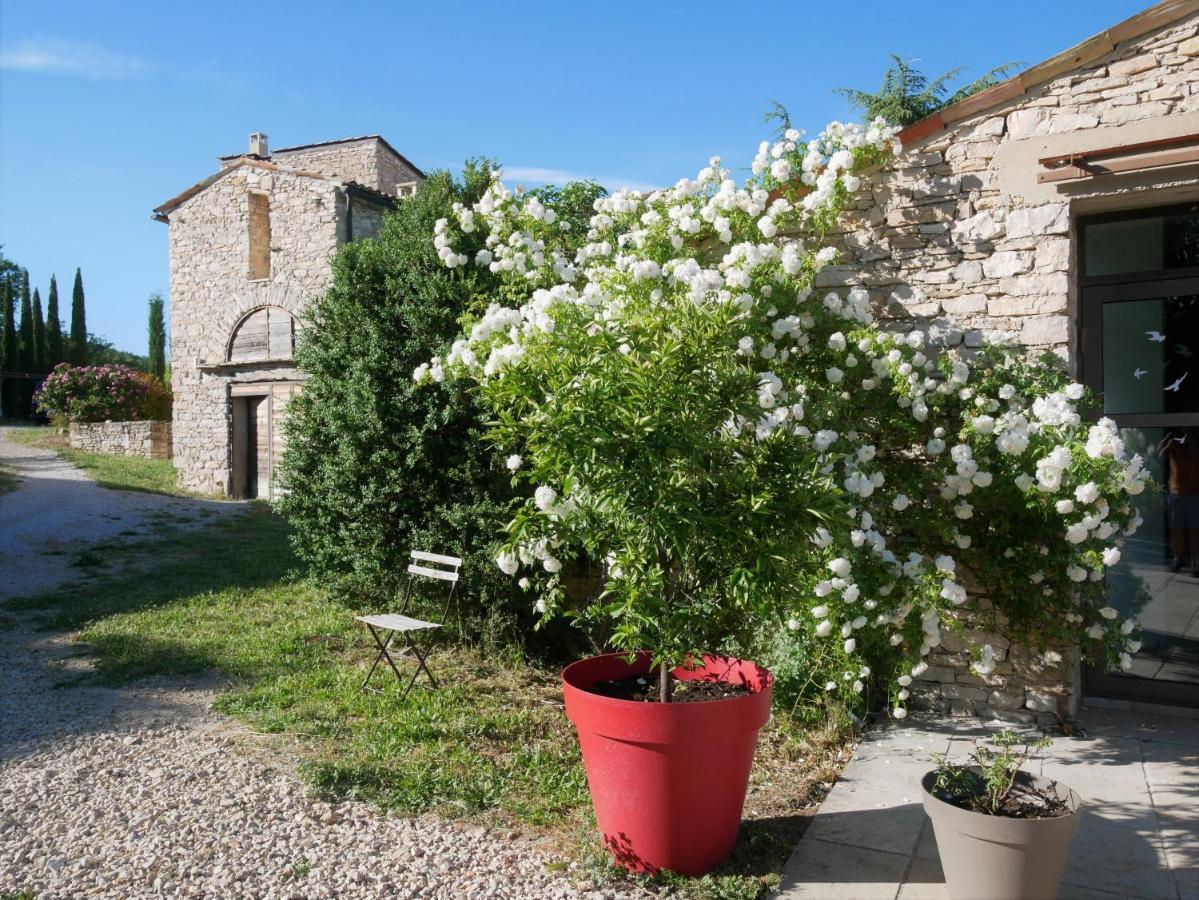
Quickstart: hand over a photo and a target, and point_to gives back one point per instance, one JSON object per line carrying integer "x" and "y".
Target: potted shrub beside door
{"x": 1002, "y": 833}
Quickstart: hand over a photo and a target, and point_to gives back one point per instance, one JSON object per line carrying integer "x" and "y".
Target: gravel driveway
{"x": 58, "y": 509}
{"x": 144, "y": 791}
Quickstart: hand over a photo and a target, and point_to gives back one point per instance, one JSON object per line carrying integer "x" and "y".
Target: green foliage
{"x": 101, "y": 352}
{"x": 987, "y": 783}
{"x": 10, "y": 357}
{"x": 157, "y": 337}
{"x": 55, "y": 349}
{"x": 27, "y": 352}
{"x": 40, "y": 351}
{"x": 374, "y": 467}
{"x": 78, "y": 351}
{"x": 907, "y": 95}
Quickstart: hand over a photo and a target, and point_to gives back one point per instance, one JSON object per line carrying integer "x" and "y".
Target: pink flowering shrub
{"x": 97, "y": 394}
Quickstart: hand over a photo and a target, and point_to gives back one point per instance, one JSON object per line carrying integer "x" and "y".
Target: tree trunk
{"x": 664, "y": 683}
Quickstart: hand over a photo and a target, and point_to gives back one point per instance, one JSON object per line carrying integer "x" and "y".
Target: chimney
{"x": 258, "y": 145}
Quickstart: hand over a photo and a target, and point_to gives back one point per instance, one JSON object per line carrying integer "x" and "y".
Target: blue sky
{"x": 108, "y": 109}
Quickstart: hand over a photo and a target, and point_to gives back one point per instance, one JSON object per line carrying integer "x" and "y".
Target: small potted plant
{"x": 1001, "y": 832}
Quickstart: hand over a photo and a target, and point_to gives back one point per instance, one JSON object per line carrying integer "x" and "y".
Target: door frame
{"x": 238, "y": 395}
{"x": 1093, "y": 293}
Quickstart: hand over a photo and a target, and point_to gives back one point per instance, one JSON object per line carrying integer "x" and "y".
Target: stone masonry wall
{"x": 210, "y": 292}
{"x": 149, "y": 439}
{"x": 367, "y": 219}
{"x": 367, "y": 162}
{"x": 956, "y": 238}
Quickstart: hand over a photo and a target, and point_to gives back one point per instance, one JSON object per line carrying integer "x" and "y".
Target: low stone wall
{"x": 150, "y": 439}
{"x": 1027, "y": 686}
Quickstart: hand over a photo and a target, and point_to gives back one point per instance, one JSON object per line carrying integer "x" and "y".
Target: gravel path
{"x": 58, "y": 509}
{"x": 144, "y": 791}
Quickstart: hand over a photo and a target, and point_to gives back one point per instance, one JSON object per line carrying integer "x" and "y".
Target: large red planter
{"x": 667, "y": 780}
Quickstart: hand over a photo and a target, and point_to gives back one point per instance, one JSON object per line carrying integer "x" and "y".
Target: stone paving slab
{"x": 1138, "y": 775}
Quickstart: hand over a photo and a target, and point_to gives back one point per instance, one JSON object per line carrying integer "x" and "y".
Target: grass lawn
{"x": 125, "y": 473}
{"x": 492, "y": 745}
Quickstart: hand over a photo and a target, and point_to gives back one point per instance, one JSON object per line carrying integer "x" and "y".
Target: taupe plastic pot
{"x": 997, "y": 858}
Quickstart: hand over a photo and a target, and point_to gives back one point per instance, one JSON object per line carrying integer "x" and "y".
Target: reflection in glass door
{"x": 1140, "y": 350}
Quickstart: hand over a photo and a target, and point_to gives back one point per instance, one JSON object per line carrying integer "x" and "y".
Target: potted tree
{"x": 1001, "y": 832}
{"x": 721, "y": 449}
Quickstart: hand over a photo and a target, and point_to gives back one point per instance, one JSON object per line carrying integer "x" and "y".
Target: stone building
{"x": 1060, "y": 210}
{"x": 250, "y": 245}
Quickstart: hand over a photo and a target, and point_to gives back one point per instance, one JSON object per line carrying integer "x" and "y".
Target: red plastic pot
{"x": 667, "y": 780}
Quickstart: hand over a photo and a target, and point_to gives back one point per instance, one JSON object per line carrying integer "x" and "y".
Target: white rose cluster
{"x": 916, "y": 441}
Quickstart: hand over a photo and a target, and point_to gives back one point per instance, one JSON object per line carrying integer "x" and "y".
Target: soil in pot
{"x": 1026, "y": 801}
{"x": 645, "y": 689}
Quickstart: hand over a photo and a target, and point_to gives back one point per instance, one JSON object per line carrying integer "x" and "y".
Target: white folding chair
{"x": 394, "y": 624}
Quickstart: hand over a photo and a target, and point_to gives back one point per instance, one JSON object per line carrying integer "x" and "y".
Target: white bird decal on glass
{"x": 1156, "y": 336}
{"x": 1176, "y": 385}
{"x": 1180, "y": 440}
{"x": 1140, "y": 373}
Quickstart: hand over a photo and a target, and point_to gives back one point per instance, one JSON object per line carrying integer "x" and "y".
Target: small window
{"x": 260, "y": 236}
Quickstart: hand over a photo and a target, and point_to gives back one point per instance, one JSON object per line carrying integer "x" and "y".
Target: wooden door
{"x": 261, "y": 413}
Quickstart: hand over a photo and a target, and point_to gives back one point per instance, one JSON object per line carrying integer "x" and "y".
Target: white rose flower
{"x": 513, "y": 462}
{"x": 508, "y": 563}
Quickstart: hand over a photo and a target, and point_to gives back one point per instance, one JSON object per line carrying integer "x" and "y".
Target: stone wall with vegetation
{"x": 956, "y": 238}
{"x": 148, "y": 439}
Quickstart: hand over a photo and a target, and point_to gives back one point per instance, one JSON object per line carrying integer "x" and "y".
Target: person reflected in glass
{"x": 1180, "y": 449}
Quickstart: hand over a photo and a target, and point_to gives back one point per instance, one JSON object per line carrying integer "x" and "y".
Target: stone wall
{"x": 149, "y": 439}
{"x": 365, "y": 161}
{"x": 210, "y": 293}
{"x": 366, "y": 218}
{"x": 958, "y": 239}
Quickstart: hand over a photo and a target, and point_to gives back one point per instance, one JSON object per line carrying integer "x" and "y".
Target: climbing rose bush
{"x": 98, "y": 394}
{"x": 729, "y": 448}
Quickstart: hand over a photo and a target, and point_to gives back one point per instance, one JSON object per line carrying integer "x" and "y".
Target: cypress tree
{"x": 26, "y": 351}
{"x": 158, "y": 338}
{"x": 55, "y": 352}
{"x": 39, "y": 335}
{"x": 78, "y": 353}
{"x": 10, "y": 358}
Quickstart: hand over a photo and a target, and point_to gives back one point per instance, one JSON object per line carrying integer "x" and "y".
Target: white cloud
{"x": 536, "y": 176}
{"x": 75, "y": 58}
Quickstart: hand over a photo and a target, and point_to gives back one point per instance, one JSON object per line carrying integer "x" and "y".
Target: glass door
{"x": 1139, "y": 294}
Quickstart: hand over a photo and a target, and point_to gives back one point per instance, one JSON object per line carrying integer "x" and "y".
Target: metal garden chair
{"x": 393, "y": 625}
